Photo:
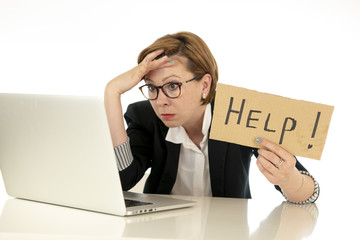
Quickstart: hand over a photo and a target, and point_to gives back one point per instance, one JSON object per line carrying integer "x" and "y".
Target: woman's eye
{"x": 173, "y": 86}
{"x": 151, "y": 88}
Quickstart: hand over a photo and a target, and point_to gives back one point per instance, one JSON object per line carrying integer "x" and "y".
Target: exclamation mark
{"x": 315, "y": 128}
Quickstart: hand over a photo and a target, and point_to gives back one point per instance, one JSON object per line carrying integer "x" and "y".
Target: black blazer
{"x": 228, "y": 163}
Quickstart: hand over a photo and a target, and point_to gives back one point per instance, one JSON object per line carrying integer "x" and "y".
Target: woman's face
{"x": 186, "y": 110}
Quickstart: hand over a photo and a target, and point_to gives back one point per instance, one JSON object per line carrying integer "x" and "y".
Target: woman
{"x": 169, "y": 132}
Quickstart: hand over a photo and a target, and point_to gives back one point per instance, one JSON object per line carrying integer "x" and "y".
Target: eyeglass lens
{"x": 171, "y": 90}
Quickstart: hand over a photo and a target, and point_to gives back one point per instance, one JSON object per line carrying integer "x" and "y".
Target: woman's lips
{"x": 167, "y": 116}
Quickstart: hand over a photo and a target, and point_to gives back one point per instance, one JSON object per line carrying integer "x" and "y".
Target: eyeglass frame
{"x": 161, "y": 87}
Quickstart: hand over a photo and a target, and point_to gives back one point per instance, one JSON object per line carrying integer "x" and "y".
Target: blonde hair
{"x": 188, "y": 45}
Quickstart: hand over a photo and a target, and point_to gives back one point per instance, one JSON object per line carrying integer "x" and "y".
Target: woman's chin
{"x": 171, "y": 124}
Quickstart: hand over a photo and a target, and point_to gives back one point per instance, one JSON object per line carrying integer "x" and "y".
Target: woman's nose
{"x": 162, "y": 99}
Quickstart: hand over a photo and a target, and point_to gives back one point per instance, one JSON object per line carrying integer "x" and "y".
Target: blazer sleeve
{"x": 138, "y": 118}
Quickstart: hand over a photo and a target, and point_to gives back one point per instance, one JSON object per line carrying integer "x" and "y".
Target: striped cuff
{"x": 314, "y": 196}
{"x": 123, "y": 155}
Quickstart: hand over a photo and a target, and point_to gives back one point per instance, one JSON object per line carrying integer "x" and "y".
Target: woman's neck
{"x": 194, "y": 128}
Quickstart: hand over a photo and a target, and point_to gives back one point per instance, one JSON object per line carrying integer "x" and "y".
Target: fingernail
{"x": 172, "y": 61}
{"x": 259, "y": 140}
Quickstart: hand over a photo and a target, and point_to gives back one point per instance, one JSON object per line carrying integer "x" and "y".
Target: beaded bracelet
{"x": 313, "y": 197}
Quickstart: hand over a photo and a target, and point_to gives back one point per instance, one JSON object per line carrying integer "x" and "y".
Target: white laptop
{"x": 58, "y": 150}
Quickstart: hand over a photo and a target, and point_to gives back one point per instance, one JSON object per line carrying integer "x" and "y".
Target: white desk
{"x": 211, "y": 218}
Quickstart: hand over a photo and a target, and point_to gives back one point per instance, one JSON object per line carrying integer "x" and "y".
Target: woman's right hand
{"x": 122, "y": 84}
{"x": 131, "y": 78}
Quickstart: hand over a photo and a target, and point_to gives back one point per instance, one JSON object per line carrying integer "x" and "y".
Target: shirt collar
{"x": 178, "y": 134}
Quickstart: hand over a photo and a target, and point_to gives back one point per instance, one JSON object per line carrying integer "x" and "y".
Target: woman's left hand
{"x": 276, "y": 164}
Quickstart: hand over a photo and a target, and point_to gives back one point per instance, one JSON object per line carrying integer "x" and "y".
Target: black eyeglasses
{"x": 171, "y": 89}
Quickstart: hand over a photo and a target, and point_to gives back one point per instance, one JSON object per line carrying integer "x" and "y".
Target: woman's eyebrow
{"x": 171, "y": 76}
{"x": 166, "y": 78}
{"x": 147, "y": 80}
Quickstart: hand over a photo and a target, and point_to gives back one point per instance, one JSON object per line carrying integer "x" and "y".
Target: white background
{"x": 305, "y": 50}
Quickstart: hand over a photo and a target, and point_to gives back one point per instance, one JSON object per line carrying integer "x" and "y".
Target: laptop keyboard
{"x": 134, "y": 203}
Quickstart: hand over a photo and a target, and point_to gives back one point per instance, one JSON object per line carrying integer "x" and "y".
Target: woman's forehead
{"x": 177, "y": 69}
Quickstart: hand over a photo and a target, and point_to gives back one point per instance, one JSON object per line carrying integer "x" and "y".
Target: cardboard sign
{"x": 242, "y": 115}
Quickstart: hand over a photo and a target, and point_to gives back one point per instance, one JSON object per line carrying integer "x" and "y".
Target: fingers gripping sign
{"x": 274, "y": 162}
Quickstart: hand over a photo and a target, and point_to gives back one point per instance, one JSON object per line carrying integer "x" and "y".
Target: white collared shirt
{"x": 193, "y": 176}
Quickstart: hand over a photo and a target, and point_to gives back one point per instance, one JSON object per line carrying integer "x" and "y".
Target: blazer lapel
{"x": 168, "y": 177}
{"x": 217, "y": 157}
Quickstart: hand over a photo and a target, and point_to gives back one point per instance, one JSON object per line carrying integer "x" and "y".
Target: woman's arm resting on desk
{"x": 278, "y": 166}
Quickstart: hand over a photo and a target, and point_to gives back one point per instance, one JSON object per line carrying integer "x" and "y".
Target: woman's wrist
{"x": 293, "y": 183}
{"x": 296, "y": 189}
{"x": 299, "y": 187}
{"x": 310, "y": 189}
